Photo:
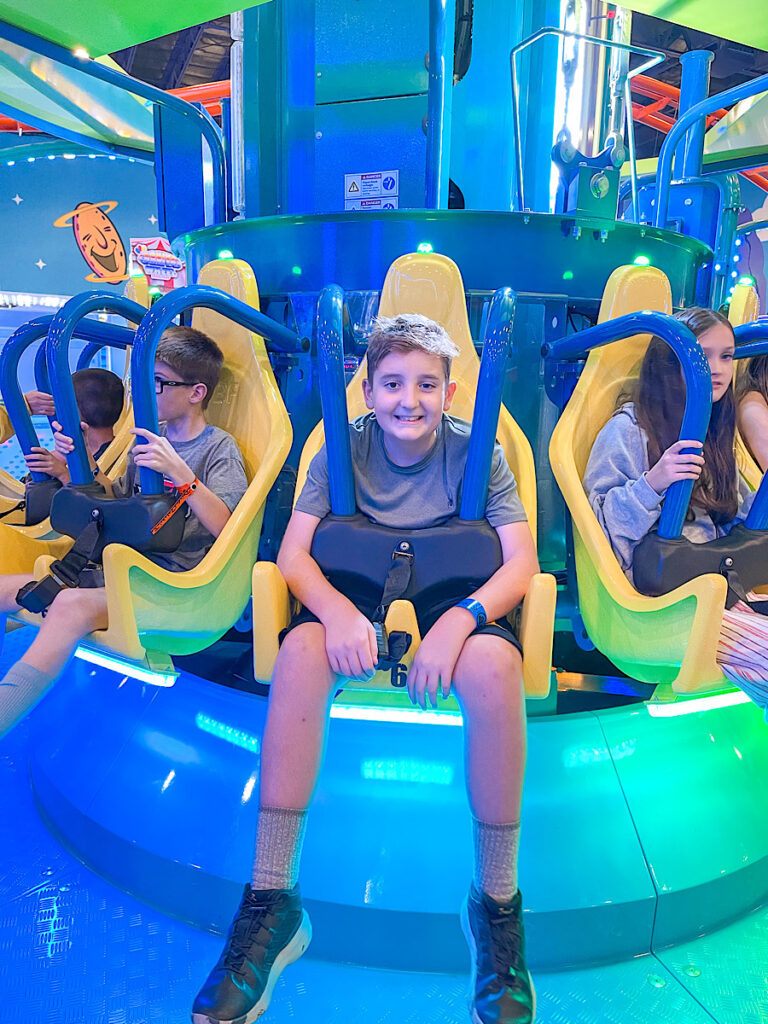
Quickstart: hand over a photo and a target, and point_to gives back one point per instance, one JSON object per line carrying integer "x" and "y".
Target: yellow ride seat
{"x": 745, "y": 309}
{"x": 155, "y": 613}
{"x": 429, "y": 284}
{"x": 670, "y": 639}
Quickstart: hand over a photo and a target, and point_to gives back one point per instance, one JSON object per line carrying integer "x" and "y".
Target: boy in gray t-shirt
{"x": 187, "y": 452}
{"x": 409, "y": 459}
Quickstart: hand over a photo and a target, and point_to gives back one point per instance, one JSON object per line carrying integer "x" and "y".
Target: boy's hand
{"x": 40, "y": 404}
{"x": 62, "y": 442}
{"x": 158, "y": 453}
{"x": 42, "y": 461}
{"x": 436, "y": 658}
{"x": 350, "y": 643}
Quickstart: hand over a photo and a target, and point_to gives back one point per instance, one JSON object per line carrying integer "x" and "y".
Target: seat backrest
{"x": 744, "y": 309}
{"x": 609, "y": 371}
{"x": 431, "y": 284}
{"x": 246, "y": 399}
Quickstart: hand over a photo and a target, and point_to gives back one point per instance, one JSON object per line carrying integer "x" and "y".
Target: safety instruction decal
{"x": 373, "y": 190}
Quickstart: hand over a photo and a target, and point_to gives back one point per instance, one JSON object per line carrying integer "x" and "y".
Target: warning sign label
{"x": 372, "y": 204}
{"x": 359, "y": 189}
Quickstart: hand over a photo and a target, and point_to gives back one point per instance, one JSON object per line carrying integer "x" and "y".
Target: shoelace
{"x": 249, "y": 922}
{"x": 505, "y": 944}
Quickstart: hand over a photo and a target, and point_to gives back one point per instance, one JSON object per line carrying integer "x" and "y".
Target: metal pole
{"x": 442, "y": 23}
{"x": 694, "y": 87}
{"x": 237, "y": 144}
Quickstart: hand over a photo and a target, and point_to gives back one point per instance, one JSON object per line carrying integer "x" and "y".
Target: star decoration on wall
{"x": 40, "y": 264}
{"x": 17, "y": 199}
{"x": 152, "y": 219}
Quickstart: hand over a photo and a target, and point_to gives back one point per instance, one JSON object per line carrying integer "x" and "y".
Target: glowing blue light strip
{"x": 691, "y": 706}
{"x": 228, "y": 733}
{"x": 126, "y": 668}
{"x": 402, "y": 715}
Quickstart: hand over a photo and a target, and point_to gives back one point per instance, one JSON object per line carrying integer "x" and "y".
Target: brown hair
{"x": 193, "y": 355}
{"x": 754, "y": 377}
{"x": 409, "y": 332}
{"x": 659, "y": 401}
{"x": 99, "y": 395}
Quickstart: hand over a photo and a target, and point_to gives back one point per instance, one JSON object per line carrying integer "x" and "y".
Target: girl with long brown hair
{"x": 752, "y": 399}
{"x": 637, "y": 456}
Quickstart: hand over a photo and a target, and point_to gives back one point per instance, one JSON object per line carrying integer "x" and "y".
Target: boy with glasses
{"x": 187, "y": 451}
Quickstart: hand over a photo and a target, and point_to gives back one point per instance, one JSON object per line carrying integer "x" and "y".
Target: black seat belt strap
{"x": 392, "y": 647}
{"x": 64, "y": 572}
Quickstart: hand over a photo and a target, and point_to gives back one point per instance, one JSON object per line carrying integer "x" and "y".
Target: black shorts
{"x": 501, "y": 628}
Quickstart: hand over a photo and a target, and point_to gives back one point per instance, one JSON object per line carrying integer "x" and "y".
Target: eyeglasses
{"x": 161, "y": 383}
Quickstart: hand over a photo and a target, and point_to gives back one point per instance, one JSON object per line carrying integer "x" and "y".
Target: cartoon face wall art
{"x": 98, "y": 240}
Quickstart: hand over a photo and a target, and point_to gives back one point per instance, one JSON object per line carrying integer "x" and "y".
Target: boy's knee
{"x": 302, "y": 654}
{"x": 79, "y": 609}
{"x": 490, "y": 676}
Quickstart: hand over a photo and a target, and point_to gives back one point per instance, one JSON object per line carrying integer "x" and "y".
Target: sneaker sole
{"x": 284, "y": 958}
{"x": 473, "y": 1016}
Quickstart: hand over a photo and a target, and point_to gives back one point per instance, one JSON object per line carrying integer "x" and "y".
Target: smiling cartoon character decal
{"x": 98, "y": 240}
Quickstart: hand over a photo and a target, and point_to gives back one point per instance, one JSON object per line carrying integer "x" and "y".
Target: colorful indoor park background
{"x": 322, "y": 142}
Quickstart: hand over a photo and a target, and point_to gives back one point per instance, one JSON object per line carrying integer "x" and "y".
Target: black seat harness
{"x": 661, "y": 564}
{"x": 146, "y": 522}
{"x": 434, "y": 568}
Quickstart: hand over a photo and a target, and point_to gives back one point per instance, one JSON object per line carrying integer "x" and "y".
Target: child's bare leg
{"x": 9, "y": 588}
{"x": 72, "y": 615}
{"x": 489, "y": 687}
{"x": 291, "y": 754}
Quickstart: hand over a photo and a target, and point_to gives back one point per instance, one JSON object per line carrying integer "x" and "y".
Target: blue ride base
{"x": 643, "y": 866}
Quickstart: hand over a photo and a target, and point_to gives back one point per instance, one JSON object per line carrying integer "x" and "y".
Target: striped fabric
{"x": 742, "y": 651}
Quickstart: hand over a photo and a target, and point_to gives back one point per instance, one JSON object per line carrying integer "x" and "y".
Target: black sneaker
{"x": 502, "y": 990}
{"x": 270, "y": 931}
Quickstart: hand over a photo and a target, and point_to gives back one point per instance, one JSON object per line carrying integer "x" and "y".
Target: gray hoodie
{"x": 625, "y": 504}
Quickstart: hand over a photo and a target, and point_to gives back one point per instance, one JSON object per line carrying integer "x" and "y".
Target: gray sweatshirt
{"x": 625, "y": 504}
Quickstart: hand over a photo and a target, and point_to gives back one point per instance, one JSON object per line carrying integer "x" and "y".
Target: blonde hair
{"x": 409, "y": 332}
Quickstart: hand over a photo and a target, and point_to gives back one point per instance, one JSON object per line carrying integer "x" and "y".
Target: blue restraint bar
{"x": 333, "y": 398}
{"x": 15, "y": 346}
{"x": 698, "y": 387}
{"x": 485, "y": 419}
{"x": 63, "y": 326}
{"x": 161, "y": 316}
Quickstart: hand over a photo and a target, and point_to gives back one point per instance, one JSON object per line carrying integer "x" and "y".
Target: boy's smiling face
{"x": 409, "y": 394}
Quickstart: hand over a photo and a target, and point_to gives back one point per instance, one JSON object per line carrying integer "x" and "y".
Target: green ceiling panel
{"x": 744, "y": 21}
{"x": 103, "y": 26}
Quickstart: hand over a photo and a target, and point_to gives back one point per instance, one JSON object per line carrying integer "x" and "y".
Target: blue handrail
{"x": 485, "y": 418}
{"x": 698, "y": 387}
{"x": 93, "y": 348}
{"x": 333, "y": 398}
{"x": 748, "y": 335}
{"x": 208, "y": 128}
{"x": 15, "y": 346}
{"x": 680, "y": 128}
{"x": 63, "y": 326}
{"x": 161, "y": 316}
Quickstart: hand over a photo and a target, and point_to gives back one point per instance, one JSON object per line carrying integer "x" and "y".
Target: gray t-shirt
{"x": 626, "y": 505}
{"x": 215, "y": 459}
{"x": 412, "y": 497}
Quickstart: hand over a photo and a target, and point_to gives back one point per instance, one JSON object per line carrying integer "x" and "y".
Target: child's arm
{"x": 440, "y": 649}
{"x": 64, "y": 445}
{"x": 159, "y": 454}
{"x": 350, "y": 639}
{"x": 753, "y": 424}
